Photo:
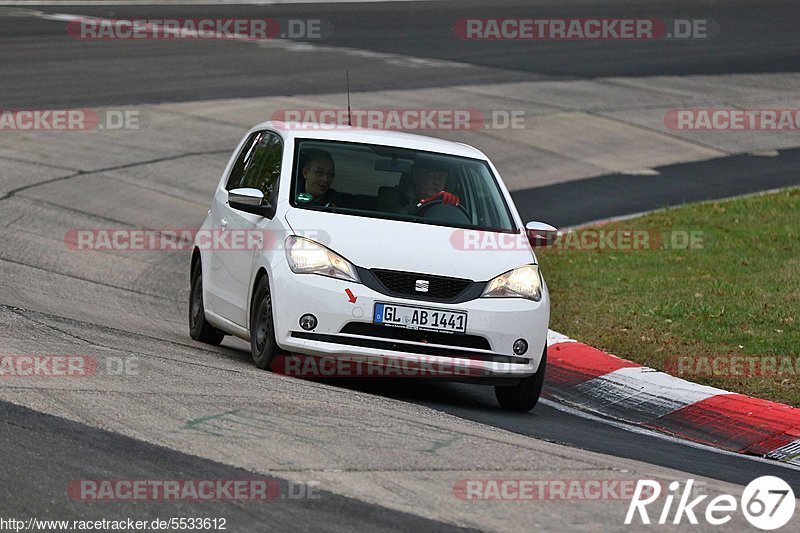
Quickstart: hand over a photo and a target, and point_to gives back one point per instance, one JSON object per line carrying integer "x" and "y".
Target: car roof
{"x": 293, "y": 130}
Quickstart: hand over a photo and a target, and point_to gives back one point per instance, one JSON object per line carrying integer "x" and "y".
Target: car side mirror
{"x": 540, "y": 234}
{"x": 250, "y": 200}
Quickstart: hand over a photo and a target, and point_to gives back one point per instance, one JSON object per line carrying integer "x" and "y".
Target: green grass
{"x": 738, "y": 294}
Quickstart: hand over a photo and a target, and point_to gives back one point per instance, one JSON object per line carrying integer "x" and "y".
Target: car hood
{"x": 413, "y": 247}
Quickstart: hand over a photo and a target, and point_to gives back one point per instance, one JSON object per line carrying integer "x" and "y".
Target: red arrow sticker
{"x": 350, "y": 296}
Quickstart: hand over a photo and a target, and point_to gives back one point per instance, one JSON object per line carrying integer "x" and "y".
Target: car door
{"x": 241, "y": 231}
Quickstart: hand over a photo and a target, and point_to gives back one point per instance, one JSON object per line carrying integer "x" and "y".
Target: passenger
{"x": 318, "y": 175}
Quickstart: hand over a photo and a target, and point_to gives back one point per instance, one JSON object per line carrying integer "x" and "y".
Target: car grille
{"x": 404, "y": 283}
{"x": 402, "y": 334}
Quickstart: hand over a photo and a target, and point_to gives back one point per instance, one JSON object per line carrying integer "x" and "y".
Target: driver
{"x": 429, "y": 177}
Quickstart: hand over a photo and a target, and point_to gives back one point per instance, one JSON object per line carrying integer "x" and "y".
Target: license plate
{"x": 425, "y": 318}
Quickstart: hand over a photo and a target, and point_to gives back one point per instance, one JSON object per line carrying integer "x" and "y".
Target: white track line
{"x": 286, "y": 45}
{"x": 190, "y": 2}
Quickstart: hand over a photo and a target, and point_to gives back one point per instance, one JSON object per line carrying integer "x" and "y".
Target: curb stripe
{"x": 573, "y": 363}
{"x": 642, "y": 394}
{"x": 554, "y": 337}
{"x": 598, "y": 382}
{"x": 735, "y": 422}
{"x": 788, "y": 454}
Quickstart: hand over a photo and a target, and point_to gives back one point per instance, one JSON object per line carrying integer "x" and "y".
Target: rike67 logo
{"x": 768, "y": 503}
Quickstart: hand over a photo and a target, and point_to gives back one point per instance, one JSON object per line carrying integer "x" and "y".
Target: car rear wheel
{"x": 262, "y": 327}
{"x": 524, "y": 395}
{"x": 199, "y": 329}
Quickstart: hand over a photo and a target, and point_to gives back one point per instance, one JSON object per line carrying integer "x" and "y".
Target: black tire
{"x": 525, "y": 395}
{"x": 263, "y": 346}
{"x": 199, "y": 329}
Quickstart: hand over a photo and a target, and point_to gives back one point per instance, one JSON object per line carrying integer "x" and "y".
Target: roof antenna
{"x": 349, "y": 118}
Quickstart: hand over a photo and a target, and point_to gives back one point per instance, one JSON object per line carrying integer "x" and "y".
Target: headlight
{"x": 308, "y": 257}
{"x": 522, "y": 282}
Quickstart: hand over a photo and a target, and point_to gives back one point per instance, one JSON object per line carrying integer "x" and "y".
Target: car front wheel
{"x": 199, "y": 328}
{"x": 262, "y": 327}
{"x": 524, "y": 395}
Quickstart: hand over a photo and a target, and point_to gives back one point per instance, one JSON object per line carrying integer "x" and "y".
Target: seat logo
{"x": 421, "y": 285}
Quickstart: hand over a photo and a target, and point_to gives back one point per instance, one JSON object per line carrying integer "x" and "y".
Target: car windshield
{"x": 399, "y": 184}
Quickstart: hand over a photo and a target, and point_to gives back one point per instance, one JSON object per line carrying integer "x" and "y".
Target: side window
{"x": 259, "y": 165}
{"x": 245, "y": 156}
{"x": 263, "y": 169}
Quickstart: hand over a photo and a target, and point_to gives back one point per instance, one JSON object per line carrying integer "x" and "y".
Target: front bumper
{"x": 500, "y": 321}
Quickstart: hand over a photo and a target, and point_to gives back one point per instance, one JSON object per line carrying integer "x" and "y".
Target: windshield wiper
{"x": 335, "y": 209}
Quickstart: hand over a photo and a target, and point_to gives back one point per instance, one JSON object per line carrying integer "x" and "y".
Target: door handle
{"x": 224, "y": 223}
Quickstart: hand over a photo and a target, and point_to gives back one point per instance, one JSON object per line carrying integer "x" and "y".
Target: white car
{"x": 344, "y": 242}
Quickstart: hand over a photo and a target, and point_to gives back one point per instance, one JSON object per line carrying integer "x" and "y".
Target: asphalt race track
{"x": 117, "y": 305}
{"x": 758, "y": 38}
{"x": 60, "y": 448}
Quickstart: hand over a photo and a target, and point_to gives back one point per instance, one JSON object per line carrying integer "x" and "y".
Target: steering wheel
{"x": 424, "y": 208}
